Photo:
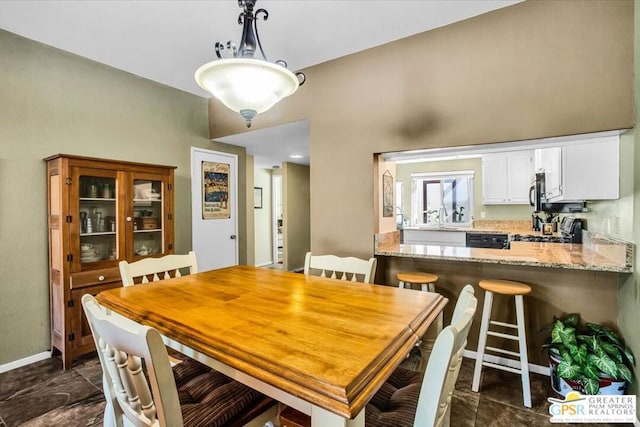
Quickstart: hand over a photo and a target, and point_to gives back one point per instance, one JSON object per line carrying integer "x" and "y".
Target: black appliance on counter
{"x": 488, "y": 240}
{"x": 536, "y": 192}
{"x": 570, "y": 232}
{"x": 538, "y": 201}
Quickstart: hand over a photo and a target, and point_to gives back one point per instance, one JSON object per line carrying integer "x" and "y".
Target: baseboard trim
{"x": 263, "y": 264}
{"x": 25, "y": 361}
{"x": 538, "y": 369}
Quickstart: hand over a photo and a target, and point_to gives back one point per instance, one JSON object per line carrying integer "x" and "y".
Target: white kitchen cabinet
{"x": 506, "y": 177}
{"x": 549, "y": 161}
{"x": 581, "y": 170}
{"x": 434, "y": 237}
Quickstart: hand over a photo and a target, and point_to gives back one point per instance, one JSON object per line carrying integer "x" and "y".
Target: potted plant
{"x": 591, "y": 359}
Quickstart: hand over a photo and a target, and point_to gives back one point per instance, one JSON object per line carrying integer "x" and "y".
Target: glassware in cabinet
{"x": 98, "y": 211}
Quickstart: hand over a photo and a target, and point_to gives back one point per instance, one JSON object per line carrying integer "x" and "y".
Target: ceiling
{"x": 166, "y": 41}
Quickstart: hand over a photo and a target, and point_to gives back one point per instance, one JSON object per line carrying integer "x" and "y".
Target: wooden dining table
{"x": 321, "y": 345}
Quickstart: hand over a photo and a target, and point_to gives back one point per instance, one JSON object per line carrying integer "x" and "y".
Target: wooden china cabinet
{"x": 100, "y": 212}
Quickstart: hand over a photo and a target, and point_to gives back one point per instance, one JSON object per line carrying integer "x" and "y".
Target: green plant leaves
{"x": 590, "y": 370}
{"x": 590, "y": 385}
{"x": 624, "y": 373}
{"x": 604, "y": 363}
{"x": 562, "y": 334}
{"x": 604, "y": 331}
{"x": 586, "y": 354}
{"x": 571, "y": 319}
{"x": 579, "y": 354}
{"x": 568, "y": 369}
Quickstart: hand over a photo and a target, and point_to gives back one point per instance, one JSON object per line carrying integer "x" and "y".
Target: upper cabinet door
{"x": 94, "y": 204}
{"x": 148, "y": 217}
{"x": 506, "y": 177}
{"x": 549, "y": 161}
{"x": 520, "y": 174}
{"x": 578, "y": 170}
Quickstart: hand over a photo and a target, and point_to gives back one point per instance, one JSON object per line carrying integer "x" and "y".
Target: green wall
{"x": 296, "y": 216}
{"x": 56, "y": 102}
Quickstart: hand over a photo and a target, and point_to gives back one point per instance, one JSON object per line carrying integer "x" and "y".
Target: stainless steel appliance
{"x": 488, "y": 240}
{"x": 536, "y": 192}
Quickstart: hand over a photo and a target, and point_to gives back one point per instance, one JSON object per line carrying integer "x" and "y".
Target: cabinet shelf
{"x": 98, "y": 233}
{"x": 96, "y": 199}
{"x": 155, "y": 230}
{"x": 146, "y": 200}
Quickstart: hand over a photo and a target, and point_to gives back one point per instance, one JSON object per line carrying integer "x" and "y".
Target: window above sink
{"x": 442, "y": 199}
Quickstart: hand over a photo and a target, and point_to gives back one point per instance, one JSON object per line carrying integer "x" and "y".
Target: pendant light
{"x": 244, "y": 83}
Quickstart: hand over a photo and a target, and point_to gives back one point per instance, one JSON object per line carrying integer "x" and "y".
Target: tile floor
{"x": 42, "y": 394}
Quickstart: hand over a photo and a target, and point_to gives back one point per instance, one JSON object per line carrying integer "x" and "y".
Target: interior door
{"x": 214, "y": 208}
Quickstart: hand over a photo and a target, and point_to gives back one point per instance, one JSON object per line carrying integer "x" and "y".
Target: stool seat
{"x": 417, "y": 277}
{"x": 505, "y": 287}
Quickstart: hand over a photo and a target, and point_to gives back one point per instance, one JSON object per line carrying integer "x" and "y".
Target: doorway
{"x": 214, "y": 208}
{"x": 277, "y": 223}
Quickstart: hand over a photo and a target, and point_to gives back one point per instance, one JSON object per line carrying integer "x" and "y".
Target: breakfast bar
{"x": 595, "y": 254}
{"x": 564, "y": 277}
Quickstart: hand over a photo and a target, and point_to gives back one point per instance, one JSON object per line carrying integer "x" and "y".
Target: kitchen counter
{"x": 597, "y": 253}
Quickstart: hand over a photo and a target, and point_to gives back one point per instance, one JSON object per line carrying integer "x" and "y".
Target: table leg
{"x": 322, "y": 418}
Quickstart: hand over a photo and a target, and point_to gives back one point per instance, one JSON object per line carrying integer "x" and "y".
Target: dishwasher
{"x": 488, "y": 240}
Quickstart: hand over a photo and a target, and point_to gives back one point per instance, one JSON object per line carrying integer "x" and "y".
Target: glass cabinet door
{"x": 148, "y": 213}
{"x": 98, "y": 222}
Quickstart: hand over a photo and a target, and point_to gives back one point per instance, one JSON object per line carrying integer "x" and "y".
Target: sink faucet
{"x": 442, "y": 215}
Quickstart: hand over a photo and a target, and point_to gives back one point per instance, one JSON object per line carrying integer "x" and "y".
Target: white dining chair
{"x": 187, "y": 394}
{"x": 343, "y": 268}
{"x": 157, "y": 268}
{"x": 160, "y": 269}
{"x": 409, "y": 399}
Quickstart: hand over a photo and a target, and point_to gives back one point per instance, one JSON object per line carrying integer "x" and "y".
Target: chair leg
{"x": 482, "y": 340}
{"x": 524, "y": 360}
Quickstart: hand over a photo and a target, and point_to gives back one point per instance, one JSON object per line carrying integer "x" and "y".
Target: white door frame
{"x": 196, "y": 199}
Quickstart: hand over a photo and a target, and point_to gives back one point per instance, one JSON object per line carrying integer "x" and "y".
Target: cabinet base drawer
{"x": 94, "y": 277}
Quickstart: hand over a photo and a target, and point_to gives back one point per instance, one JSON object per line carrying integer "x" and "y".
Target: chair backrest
{"x": 122, "y": 344}
{"x": 444, "y": 364}
{"x": 158, "y": 268}
{"x": 348, "y": 268}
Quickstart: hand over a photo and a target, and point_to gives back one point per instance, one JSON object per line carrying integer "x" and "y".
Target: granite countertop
{"x": 596, "y": 253}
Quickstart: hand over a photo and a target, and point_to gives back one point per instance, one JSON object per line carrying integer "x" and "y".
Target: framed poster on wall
{"x": 257, "y": 197}
{"x": 215, "y": 190}
{"x": 387, "y": 194}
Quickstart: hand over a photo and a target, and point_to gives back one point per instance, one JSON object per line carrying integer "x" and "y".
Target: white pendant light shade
{"x": 247, "y": 84}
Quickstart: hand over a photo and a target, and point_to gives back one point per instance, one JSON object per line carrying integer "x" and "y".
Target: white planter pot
{"x": 563, "y": 386}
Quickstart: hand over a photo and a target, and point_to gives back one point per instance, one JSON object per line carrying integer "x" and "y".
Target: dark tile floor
{"x": 42, "y": 394}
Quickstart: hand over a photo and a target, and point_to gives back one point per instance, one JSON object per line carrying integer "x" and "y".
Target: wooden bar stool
{"x": 517, "y": 290}
{"x": 427, "y": 282}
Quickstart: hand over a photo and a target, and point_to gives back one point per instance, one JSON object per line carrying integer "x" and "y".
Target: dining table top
{"x": 329, "y": 342}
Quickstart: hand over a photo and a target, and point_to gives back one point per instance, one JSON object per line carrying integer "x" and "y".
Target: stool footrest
{"x": 502, "y": 367}
{"x": 503, "y": 351}
{"x": 506, "y": 325}
{"x": 501, "y": 335}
